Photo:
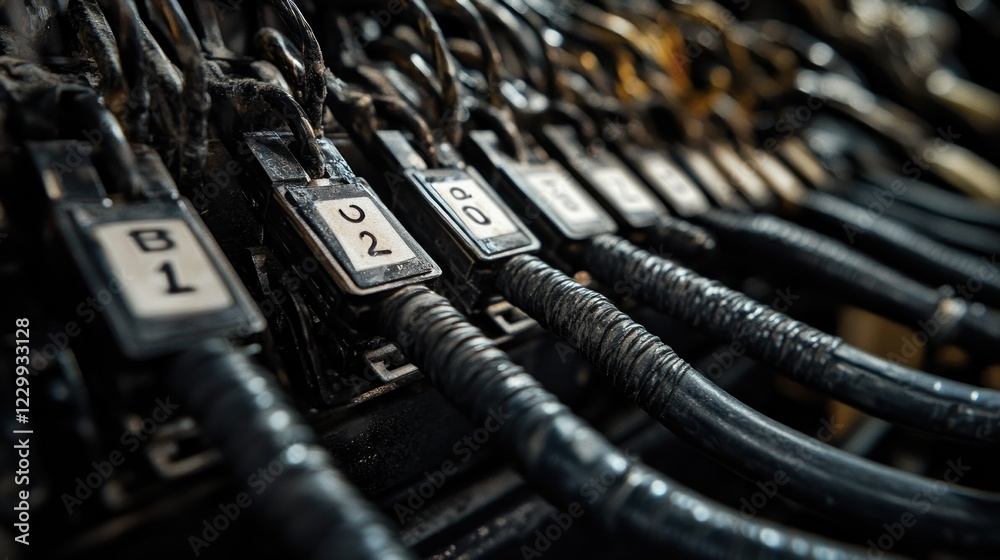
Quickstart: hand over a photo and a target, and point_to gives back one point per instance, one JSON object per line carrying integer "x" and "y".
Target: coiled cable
{"x": 656, "y": 379}
{"x": 858, "y": 277}
{"x": 900, "y": 246}
{"x": 561, "y": 455}
{"x": 809, "y": 356}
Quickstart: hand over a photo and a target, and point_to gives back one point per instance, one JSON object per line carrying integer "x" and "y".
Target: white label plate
{"x": 562, "y": 196}
{"x": 779, "y": 176}
{"x": 711, "y": 178}
{"x": 475, "y": 208}
{"x": 675, "y": 185}
{"x": 743, "y": 176}
{"x": 622, "y": 189}
{"x": 162, "y": 268}
{"x": 367, "y": 237}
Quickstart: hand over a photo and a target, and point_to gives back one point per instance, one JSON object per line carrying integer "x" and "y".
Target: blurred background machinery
{"x": 496, "y": 279}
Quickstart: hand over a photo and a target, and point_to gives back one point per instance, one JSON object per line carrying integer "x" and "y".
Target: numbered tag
{"x": 337, "y": 220}
{"x": 362, "y": 230}
{"x": 711, "y": 179}
{"x": 797, "y": 154}
{"x": 674, "y": 185}
{"x": 564, "y": 201}
{"x": 745, "y": 179}
{"x": 475, "y": 213}
{"x": 358, "y": 240}
{"x": 781, "y": 179}
{"x": 163, "y": 270}
{"x": 628, "y": 195}
{"x": 604, "y": 175}
{"x": 164, "y": 280}
{"x": 468, "y": 202}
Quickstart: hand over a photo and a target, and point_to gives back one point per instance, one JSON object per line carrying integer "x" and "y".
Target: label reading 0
{"x": 162, "y": 268}
{"x": 366, "y": 236}
{"x": 470, "y": 203}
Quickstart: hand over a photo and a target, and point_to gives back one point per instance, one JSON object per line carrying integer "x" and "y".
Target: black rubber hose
{"x": 314, "y": 82}
{"x": 936, "y": 199}
{"x": 563, "y": 456}
{"x": 809, "y": 356}
{"x": 98, "y": 41}
{"x": 820, "y": 476}
{"x": 313, "y": 507}
{"x": 902, "y": 248}
{"x": 682, "y": 238}
{"x": 963, "y": 235}
{"x": 174, "y": 23}
{"x": 129, "y": 29}
{"x": 856, "y": 277}
{"x": 252, "y": 98}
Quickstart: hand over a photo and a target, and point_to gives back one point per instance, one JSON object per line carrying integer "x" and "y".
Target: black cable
{"x": 936, "y": 199}
{"x": 804, "y": 354}
{"x": 277, "y": 50}
{"x": 497, "y": 114}
{"x": 314, "y": 83}
{"x": 252, "y": 98}
{"x": 417, "y": 14}
{"x": 859, "y": 278}
{"x": 648, "y": 372}
{"x": 309, "y": 503}
{"x": 130, "y": 48}
{"x": 172, "y": 21}
{"x": 98, "y": 40}
{"x": 561, "y": 455}
{"x": 113, "y": 144}
{"x": 681, "y": 238}
{"x": 900, "y": 246}
{"x": 966, "y": 236}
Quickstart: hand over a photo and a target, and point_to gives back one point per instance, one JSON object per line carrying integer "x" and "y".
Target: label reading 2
{"x": 162, "y": 269}
{"x": 368, "y": 239}
{"x": 481, "y": 215}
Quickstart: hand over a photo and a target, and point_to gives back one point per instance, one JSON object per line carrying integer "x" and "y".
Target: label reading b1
{"x": 162, "y": 268}
{"x": 480, "y": 214}
{"x": 367, "y": 237}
